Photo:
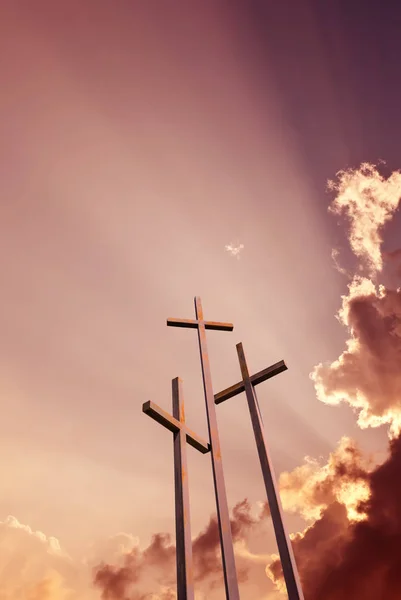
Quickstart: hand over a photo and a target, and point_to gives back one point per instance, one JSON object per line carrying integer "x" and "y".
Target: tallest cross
{"x": 227, "y": 549}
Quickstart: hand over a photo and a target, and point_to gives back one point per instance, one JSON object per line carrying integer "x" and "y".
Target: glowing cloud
{"x": 234, "y": 250}
{"x": 50, "y": 588}
{"x": 311, "y": 488}
{"x": 369, "y": 201}
{"x": 367, "y": 375}
{"x": 33, "y": 566}
{"x": 350, "y": 549}
{"x": 339, "y": 557}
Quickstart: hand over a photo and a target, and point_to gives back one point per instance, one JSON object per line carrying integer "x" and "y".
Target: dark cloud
{"x": 367, "y": 375}
{"x": 341, "y": 559}
{"x": 114, "y": 581}
{"x": 352, "y": 549}
{"x": 118, "y": 582}
{"x": 393, "y": 259}
{"x": 206, "y": 545}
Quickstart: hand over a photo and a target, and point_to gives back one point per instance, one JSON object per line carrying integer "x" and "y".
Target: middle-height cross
{"x": 247, "y": 384}
{"x": 223, "y": 515}
{"x": 176, "y": 424}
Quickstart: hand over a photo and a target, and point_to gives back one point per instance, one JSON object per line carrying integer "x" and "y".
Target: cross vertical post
{"x": 182, "y": 435}
{"x": 247, "y": 385}
{"x": 185, "y": 579}
{"x": 223, "y": 515}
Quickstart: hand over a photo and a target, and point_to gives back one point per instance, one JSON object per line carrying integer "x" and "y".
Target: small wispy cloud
{"x": 234, "y": 250}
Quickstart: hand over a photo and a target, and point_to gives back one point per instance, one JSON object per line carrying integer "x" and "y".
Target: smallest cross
{"x": 176, "y": 424}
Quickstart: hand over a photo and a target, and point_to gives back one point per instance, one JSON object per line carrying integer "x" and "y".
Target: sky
{"x": 137, "y": 140}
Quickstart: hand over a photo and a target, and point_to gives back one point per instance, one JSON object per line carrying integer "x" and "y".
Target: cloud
{"x": 332, "y": 497}
{"x": 335, "y": 253}
{"x": 114, "y": 581}
{"x": 369, "y": 201}
{"x": 206, "y": 546}
{"x": 12, "y": 528}
{"x": 309, "y": 489}
{"x": 393, "y": 259}
{"x": 339, "y": 557}
{"x": 350, "y": 548}
{"x": 50, "y": 588}
{"x": 111, "y": 549}
{"x": 117, "y": 581}
{"x": 33, "y": 566}
{"x": 234, "y": 250}
{"x": 132, "y": 576}
{"x": 367, "y": 374}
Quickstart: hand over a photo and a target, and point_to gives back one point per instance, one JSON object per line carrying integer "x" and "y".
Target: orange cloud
{"x": 339, "y": 557}
{"x": 351, "y": 547}
{"x": 369, "y": 201}
{"x": 367, "y": 374}
{"x": 33, "y": 566}
{"x": 50, "y": 588}
{"x": 311, "y": 488}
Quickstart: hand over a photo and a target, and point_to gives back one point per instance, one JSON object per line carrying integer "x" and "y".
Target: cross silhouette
{"x": 182, "y": 435}
{"x": 247, "y": 385}
{"x": 223, "y": 515}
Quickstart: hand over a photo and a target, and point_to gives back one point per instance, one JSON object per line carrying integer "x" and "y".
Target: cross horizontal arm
{"x": 197, "y": 442}
{"x": 194, "y": 324}
{"x": 219, "y": 326}
{"x": 271, "y": 371}
{"x": 234, "y": 390}
{"x": 162, "y": 417}
{"x": 239, "y": 387}
{"x": 182, "y": 323}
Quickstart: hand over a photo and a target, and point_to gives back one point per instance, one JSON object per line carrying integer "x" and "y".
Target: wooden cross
{"x": 223, "y": 515}
{"x": 247, "y": 385}
{"x": 176, "y": 424}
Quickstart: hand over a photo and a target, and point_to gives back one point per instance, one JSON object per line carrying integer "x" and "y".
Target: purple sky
{"x": 136, "y": 140}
